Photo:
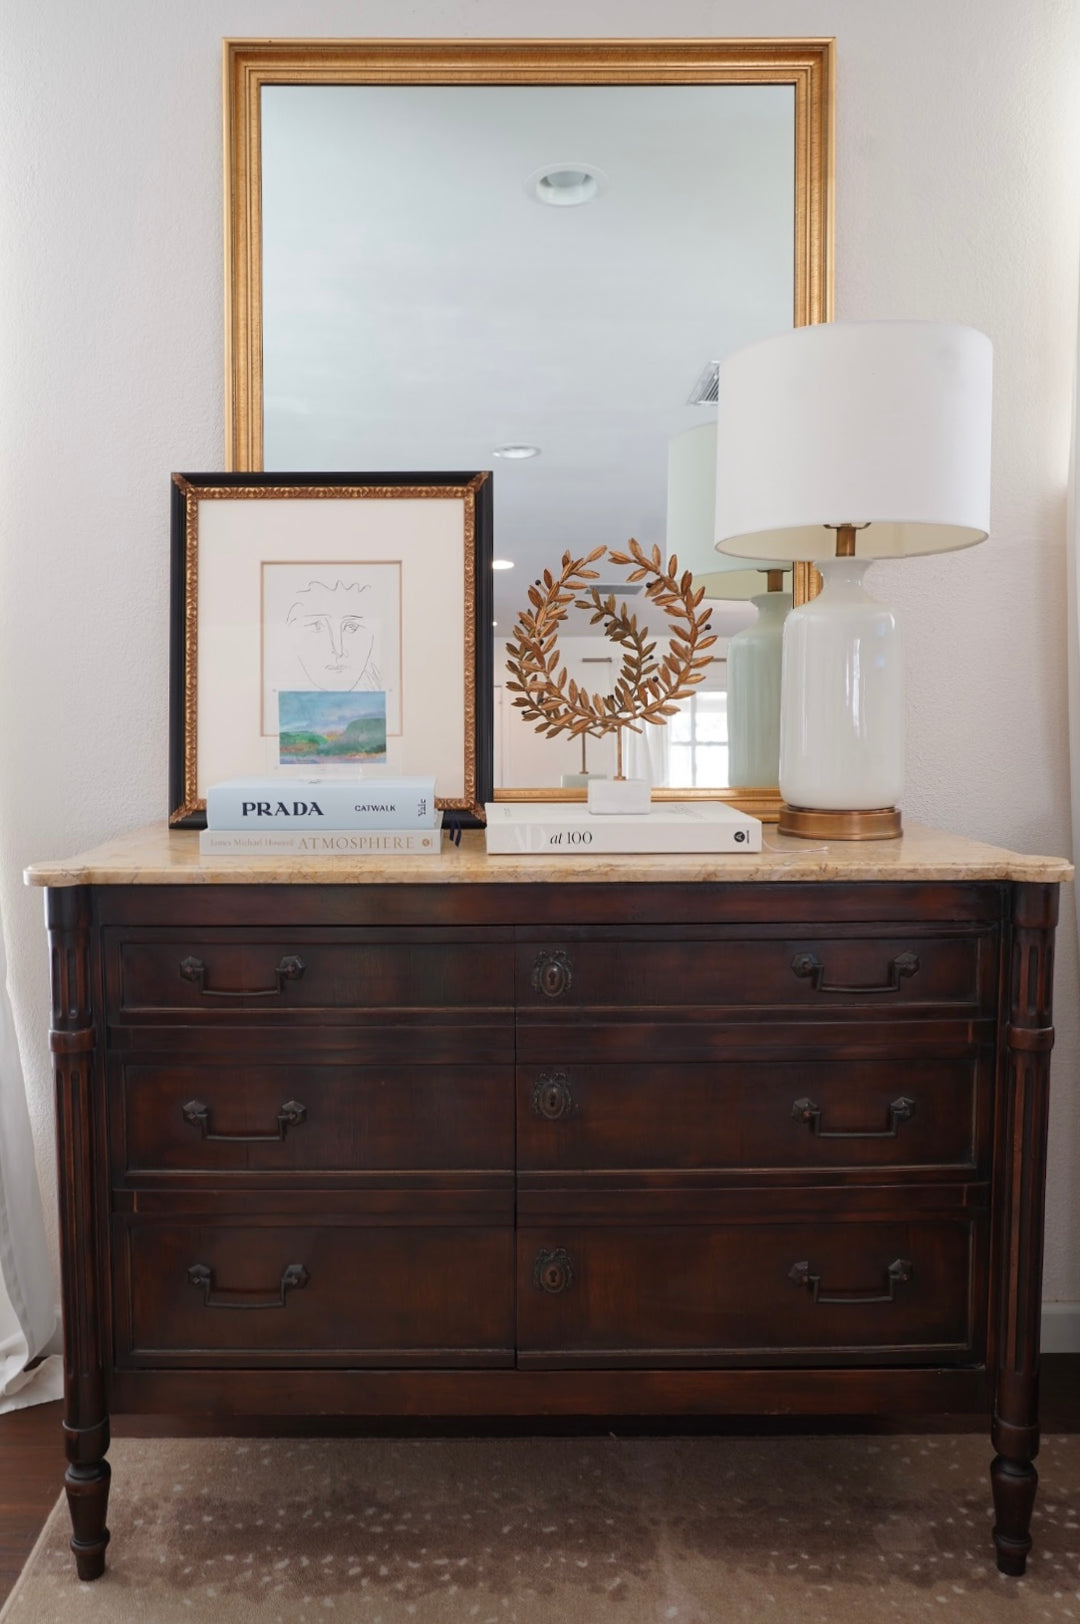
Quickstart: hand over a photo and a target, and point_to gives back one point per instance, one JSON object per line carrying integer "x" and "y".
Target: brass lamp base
{"x": 882, "y": 823}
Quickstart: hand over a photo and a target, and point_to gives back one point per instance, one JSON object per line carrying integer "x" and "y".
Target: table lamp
{"x": 754, "y": 654}
{"x": 839, "y": 444}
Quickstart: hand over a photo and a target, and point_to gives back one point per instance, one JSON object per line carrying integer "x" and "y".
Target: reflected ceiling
{"x": 421, "y": 307}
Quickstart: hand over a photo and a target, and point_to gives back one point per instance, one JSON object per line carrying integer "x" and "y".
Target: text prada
{"x": 282, "y": 809}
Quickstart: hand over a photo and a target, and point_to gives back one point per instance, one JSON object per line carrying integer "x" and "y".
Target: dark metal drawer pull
{"x": 552, "y": 974}
{"x": 899, "y": 1272}
{"x": 294, "y": 1277}
{"x": 291, "y": 1115}
{"x": 553, "y": 1270}
{"x": 552, "y": 1096}
{"x": 809, "y": 965}
{"x": 290, "y": 969}
{"x": 901, "y": 1110}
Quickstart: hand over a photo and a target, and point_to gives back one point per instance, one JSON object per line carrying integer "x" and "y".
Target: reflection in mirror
{"x": 540, "y": 280}
{"x": 753, "y": 656}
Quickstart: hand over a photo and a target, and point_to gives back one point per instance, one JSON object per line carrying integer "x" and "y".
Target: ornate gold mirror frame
{"x": 804, "y": 64}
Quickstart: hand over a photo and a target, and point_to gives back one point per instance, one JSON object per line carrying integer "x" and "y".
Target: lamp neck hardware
{"x": 845, "y": 538}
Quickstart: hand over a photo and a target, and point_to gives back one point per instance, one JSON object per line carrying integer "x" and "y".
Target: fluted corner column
{"x": 82, "y": 1245}
{"x": 1021, "y": 1172}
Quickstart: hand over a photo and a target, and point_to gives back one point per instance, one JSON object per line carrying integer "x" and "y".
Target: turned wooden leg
{"x": 87, "y": 1486}
{"x": 1014, "y": 1482}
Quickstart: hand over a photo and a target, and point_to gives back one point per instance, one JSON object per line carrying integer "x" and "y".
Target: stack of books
{"x": 322, "y": 817}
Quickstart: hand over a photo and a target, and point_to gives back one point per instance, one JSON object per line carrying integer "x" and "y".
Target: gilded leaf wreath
{"x": 648, "y": 687}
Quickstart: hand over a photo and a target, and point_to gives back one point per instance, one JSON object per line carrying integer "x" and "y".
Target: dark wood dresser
{"x": 610, "y": 1136}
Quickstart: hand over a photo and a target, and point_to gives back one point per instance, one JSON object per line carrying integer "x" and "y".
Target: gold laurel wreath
{"x": 647, "y": 689}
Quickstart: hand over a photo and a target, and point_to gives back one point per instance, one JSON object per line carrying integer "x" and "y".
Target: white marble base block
{"x": 625, "y": 795}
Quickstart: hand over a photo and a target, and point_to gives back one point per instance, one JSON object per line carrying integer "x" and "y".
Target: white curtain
{"x": 645, "y": 753}
{"x": 28, "y": 1310}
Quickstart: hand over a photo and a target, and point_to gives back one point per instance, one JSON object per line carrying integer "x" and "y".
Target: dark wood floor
{"x": 31, "y": 1474}
{"x": 32, "y": 1465}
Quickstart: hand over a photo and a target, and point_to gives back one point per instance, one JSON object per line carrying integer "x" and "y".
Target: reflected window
{"x": 698, "y": 742}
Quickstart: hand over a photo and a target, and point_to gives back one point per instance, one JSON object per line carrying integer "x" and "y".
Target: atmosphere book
{"x": 568, "y": 829}
{"x": 322, "y": 842}
{"x": 281, "y": 805}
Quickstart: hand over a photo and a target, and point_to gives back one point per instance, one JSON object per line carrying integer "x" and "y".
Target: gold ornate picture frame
{"x": 806, "y": 65}
{"x": 414, "y": 549}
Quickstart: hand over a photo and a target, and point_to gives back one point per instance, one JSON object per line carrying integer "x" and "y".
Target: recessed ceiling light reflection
{"x": 566, "y": 185}
{"x": 517, "y": 453}
{"x": 502, "y": 563}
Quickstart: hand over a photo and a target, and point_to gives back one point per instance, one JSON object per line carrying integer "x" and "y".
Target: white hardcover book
{"x": 282, "y": 804}
{"x": 322, "y": 842}
{"x": 570, "y": 829}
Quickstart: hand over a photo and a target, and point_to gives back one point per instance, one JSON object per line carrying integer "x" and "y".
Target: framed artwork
{"x": 330, "y": 623}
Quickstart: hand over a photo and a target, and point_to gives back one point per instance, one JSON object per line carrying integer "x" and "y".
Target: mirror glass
{"x": 537, "y": 280}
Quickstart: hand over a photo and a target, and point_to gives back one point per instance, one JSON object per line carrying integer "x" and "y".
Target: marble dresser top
{"x": 156, "y": 856}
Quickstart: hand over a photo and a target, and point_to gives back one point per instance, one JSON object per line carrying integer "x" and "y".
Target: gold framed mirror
{"x": 398, "y": 294}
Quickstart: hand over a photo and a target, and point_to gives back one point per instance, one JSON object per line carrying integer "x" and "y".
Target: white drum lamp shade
{"x": 885, "y": 423}
{"x": 876, "y": 433}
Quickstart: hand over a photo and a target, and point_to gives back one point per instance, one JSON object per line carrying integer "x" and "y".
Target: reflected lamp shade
{"x": 840, "y": 444}
{"x": 691, "y": 520}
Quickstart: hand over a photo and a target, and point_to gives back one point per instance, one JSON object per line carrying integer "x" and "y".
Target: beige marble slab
{"x": 156, "y": 856}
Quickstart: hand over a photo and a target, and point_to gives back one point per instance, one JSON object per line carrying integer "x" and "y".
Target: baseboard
{"x": 1061, "y": 1328}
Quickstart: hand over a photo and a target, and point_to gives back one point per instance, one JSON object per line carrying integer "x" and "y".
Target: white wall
{"x": 957, "y": 168}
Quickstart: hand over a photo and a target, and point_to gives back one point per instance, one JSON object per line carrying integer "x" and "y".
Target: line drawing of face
{"x": 333, "y": 638}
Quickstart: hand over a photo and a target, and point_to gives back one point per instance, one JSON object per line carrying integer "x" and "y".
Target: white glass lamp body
{"x": 754, "y": 668}
{"x": 842, "y": 713}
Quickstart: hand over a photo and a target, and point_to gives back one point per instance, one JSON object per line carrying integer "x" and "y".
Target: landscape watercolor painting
{"x": 331, "y": 727}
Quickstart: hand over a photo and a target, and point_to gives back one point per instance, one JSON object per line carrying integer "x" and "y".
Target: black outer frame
{"x": 484, "y": 609}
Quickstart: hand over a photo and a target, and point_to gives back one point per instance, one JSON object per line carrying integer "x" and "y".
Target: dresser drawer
{"x": 785, "y": 1115}
{"x": 229, "y": 973}
{"x": 339, "y": 1295}
{"x": 898, "y": 1292}
{"x": 819, "y": 971}
{"x": 245, "y": 1117}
